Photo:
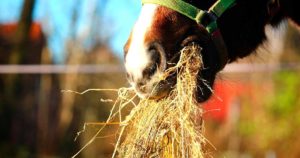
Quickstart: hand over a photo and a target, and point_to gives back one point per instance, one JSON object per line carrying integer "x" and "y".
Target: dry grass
{"x": 170, "y": 127}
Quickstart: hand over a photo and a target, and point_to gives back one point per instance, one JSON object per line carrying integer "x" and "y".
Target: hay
{"x": 171, "y": 127}
{"x": 168, "y": 128}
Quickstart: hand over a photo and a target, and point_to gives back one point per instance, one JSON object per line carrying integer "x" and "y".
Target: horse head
{"x": 161, "y": 31}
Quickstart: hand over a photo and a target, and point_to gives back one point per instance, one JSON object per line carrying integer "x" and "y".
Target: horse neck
{"x": 243, "y": 27}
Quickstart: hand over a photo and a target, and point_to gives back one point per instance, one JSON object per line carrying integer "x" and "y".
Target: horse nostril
{"x": 149, "y": 71}
{"x": 156, "y": 53}
{"x": 156, "y": 62}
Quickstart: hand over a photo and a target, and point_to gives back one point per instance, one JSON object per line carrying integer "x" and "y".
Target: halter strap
{"x": 206, "y": 18}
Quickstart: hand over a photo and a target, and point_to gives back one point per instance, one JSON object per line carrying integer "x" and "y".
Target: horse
{"x": 163, "y": 30}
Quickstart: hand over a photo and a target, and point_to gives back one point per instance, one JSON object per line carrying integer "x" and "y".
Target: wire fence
{"x": 60, "y": 69}
{"x": 111, "y": 68}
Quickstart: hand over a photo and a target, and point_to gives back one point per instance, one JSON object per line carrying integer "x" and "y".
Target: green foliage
{"x": 286, "y": 96}
{"x": 247, "y": 128}
{"x": 270, "y": 117}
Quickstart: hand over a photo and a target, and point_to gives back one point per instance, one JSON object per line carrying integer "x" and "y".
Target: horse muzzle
{"x": 156, "y": 89}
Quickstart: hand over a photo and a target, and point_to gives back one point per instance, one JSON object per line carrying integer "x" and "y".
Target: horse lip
{"x": 162, "y": 88}
{"x": 159, "y": 91}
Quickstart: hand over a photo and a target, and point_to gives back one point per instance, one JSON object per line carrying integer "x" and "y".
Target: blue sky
{"x": 115, "y": 16}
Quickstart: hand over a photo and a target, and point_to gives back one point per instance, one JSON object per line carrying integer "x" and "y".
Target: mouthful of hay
{"x": 170, "y": 127}
{"x": 167, "y": 128}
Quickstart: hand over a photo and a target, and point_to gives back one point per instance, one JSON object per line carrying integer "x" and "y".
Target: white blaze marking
{"x": 137, "y": 57}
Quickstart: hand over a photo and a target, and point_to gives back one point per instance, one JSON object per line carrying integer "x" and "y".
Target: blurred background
{"x": 51, "y": 45}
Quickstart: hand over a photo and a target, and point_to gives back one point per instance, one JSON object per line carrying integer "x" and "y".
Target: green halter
{"x": 206, "y": 18}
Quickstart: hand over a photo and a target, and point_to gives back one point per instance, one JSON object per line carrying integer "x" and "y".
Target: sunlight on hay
{"x": 171, "y": 127}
